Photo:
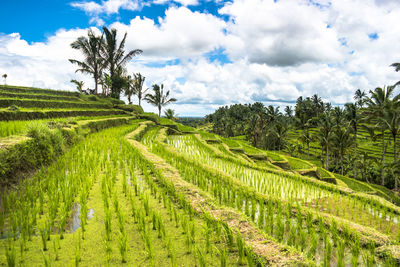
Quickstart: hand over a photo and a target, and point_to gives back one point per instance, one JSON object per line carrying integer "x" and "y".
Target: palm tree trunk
{"x": 95, "y": 84}
{"x": 326, "y": 158}
{"x": 159, "y": 111}
{"x": 395, "y": 159}
{"x": 383, "y": 158}
{"x": 355, "y": 153}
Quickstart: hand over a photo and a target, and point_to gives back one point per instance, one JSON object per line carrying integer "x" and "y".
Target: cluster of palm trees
{"x": 105, "y": 60}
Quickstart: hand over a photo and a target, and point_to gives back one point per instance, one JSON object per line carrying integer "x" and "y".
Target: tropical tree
{"x": 396, "y": 68}
{"x": 391, "y": 118}
{"x": 170, "y": 114}
{"x": 129, "y": 88}
{"x": 78, "y": 84}
{"x": 342, "y": 141}
{"x": 138, "y": 82}
{"x": 324, "y": 134}
{"x": 158, "y": 98}
{"x": 359, "y": 97}
{"x": 378, "y": 103}
{"x": 93, "y": 63}
{"x": 115, "y": 58}
{"x": 353, "y": 118}
{"x": 4, "y": 77}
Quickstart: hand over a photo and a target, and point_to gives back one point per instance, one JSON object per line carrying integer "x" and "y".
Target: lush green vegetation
{"x": 359, "y": 139}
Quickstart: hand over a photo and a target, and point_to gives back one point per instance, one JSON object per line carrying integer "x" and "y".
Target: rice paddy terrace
{"x": 157, "y": 193}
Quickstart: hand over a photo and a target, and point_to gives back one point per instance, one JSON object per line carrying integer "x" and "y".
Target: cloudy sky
{"x": 214, "y": 52}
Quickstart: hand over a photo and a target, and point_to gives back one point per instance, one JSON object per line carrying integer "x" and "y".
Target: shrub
{"x": 131, "y": 108}
{"x": 149, "y": 116}
{"x": 13, "y": 108}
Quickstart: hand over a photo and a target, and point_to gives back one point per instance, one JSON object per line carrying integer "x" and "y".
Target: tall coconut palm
{"x": 359, "y": 97}
{"x": 324, "y": 134}
{"x": 79, "y": 85}
{"x": 353, "y": 118}
{"x": 341, "y": 142}
{"x": 115, "y": 57}
{"x": 93, "y": 63}
{"x": 158, "y": 98}
{"x": 397, "y": 68}
{"x": 4, "y": 77}
{"x": 391, "y": 118}
{"x": 378, "y": 103}
{"x": 138, "y": 82}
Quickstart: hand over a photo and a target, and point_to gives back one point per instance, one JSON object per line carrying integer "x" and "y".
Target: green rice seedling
{"x": 327, "y": 252}
{"x": 314, "y": 244}
{"x": 122, "y": 244}
{"x": 207, "y": 237}
{"x": 253, "y": 210}
{"x": 200, "y": 256}
{"x": 108, "y": 250}
{"x": 56, "y": 248}
{"x": 154, "y": 221}
{"x": 292, "y": 236}
{"x": 43, "y": 235}
{"x": 10, "y": 255}
{"x": 107, "y": 224}
{"x": 340, "y": 253}
{"x": 228, "y": 232}
{"x": 222, "y": 256}
{"x": 355, "y": 251}
{"x": 148, "y": 244}
{"x": 241, "y": 247}
{"x": 249, "y": 257}
{"x": 302, "y": 238}
{"x": 171, "y": 252}
{"x": 146, "y": 204}
{"x": 46, "y": 260}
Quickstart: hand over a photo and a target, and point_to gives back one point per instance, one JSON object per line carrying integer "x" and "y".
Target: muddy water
{"x": 75, "y": 221}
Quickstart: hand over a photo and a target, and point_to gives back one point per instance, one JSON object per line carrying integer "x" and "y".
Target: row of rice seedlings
{"x": 225, "y": 192}
{"x": 42, "y": 205}
{"x": 286, "y": 187}
{"x": 185, "y": 221}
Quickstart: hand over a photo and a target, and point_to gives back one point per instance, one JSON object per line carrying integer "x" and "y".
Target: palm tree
{"x": 129, "y": 89}
{"x": 158, "y": 98}
{"x": 396, "y": 68}
{"x": 353, "y": 118}
{"x": 378, "y": 103}
{"x": 288, "y": 111}
{"x": 4, "y": 77}
{"x": 93, "y": 63}
{"x": 138, "y": 86}
{"x": 324, "y": 134}
{"x": 359, "y": 97}
{"x": 170, "y": 114}
{"x": 79, "y": 85}
{"x": 115, "y": 57}
{"x": 391, "y": 118}
{"x": 341, "y": 142}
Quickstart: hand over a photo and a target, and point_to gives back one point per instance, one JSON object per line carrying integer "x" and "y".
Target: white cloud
{"x": 108, "y": 6}
{"x": 180, "y": 34}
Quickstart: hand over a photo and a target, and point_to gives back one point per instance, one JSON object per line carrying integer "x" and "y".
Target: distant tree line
{"x": 334, "y": 129}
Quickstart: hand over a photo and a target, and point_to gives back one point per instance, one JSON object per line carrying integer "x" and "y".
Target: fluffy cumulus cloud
{"x": 269, "y": 51}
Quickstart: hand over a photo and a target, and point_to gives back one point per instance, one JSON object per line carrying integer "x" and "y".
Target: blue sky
{"x": 213, "y": 53}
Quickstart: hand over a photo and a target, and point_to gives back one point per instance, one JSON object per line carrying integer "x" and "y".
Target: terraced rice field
{"x": 134, "y": 195}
